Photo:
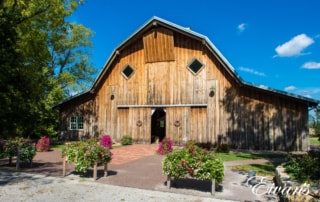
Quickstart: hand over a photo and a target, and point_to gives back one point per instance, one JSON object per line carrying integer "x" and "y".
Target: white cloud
{"x": 294, "y": 46}
{"x": 290, "y": 88}
{"x": 252, "y": 71}
{"x": 242, "y": 27}
{"x": 311, "y": 65}
{"x": 310, "y": 92}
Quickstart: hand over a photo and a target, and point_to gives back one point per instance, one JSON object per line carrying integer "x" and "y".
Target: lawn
{"x": 314, "y": 141}
{"x": 265, "y": 169}
{"x": 234, "y": 156}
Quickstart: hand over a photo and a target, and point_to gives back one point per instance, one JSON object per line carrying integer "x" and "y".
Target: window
{"x": 195, "y": 66}
{"x": 127, "y": 71}
{"x": 76, "y": 123}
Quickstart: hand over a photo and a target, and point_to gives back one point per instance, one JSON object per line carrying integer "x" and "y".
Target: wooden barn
{"x": 169, "y": 81}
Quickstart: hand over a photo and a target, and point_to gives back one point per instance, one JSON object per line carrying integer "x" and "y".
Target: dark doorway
{"x": 158, "y": 124}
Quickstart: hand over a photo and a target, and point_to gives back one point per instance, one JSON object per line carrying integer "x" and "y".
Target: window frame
{"x": 127, "y": 66}
{"x": 191, "y": 70}
{"x": 76, "y": 123}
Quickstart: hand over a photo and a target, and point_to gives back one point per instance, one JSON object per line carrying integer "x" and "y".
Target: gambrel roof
{"x": 158, "y": 22}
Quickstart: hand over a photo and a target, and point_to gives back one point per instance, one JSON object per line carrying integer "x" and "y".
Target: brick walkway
{"x": 131, "y": 153}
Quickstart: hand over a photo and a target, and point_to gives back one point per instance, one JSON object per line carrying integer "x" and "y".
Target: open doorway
{"x": 158, "y": 124}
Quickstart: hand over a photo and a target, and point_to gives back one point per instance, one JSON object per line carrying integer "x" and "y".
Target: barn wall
{"x": 85, "y": 107}
{"x": 240, "y": 116}
{"x": 265, "y": 121}
{"x": 164, "y": 82}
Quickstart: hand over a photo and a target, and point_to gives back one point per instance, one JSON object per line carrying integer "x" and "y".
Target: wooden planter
{"x": 213, "y": 185}
{"x": 105, "y": 169}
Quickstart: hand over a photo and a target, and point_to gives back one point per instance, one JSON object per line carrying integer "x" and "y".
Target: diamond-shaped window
{"x": 195, "y": 66}
{"x": 127, "y": 71}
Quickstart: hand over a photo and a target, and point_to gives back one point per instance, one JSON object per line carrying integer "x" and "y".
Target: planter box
{"x": 105, "y": 169}
{"x": 170, "y": 181}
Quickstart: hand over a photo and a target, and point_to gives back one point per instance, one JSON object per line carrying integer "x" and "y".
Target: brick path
{"x": 131, "y": 153}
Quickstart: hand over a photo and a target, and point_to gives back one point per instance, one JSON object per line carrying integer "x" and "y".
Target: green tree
{"x": 317, "y": 121}
{"x": 44, "y": 59}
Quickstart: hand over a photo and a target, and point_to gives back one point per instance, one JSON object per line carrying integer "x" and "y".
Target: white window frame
{"x": 76, "y": 123}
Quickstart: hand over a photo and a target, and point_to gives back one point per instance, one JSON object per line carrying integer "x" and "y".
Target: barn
{"x": 169, "y": 81}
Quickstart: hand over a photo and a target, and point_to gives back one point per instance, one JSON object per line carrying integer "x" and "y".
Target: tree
{"x": 44, "y": 59}
{"x": 317, "y": 121}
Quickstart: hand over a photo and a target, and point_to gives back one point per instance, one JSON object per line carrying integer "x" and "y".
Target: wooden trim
{"x": 160, "y": 106}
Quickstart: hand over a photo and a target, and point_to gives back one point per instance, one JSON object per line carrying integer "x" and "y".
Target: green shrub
{"x": 223, "y": 148}
{"x": 306, "y": 167}
{"x": 126, "y": 140}
{"x": 20, "y": 147}
{"x": 208, "y": 146}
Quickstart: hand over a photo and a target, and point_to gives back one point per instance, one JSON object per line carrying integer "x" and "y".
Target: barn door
{"x": 158, "y": 124}
{"x": 139, "y": 124}
{"x": 178, "y": 124}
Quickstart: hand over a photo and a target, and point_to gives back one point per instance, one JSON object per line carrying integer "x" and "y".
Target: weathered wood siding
{"x": 238, "y": 115}
{"x": 265, "y": 121}
{"x": 158, "y": 45}
{"x": 86, "y": 107}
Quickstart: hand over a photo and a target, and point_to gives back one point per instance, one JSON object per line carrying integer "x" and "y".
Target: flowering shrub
{"x": 192, "y": 161}
{"x": 85, "y": 154}
{"x": 106, "y": 141}
{"x": 43, "y": 144}
{"x": 24, "y": 149}
{"x": 165, "y": 146}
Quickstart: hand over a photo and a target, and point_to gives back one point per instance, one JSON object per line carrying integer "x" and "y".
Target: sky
{"x": 273, "y": 43}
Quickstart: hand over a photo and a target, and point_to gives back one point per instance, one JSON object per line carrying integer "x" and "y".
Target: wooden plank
{"x": 159, "y": 45}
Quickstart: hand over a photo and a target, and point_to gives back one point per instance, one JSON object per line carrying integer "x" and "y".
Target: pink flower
{"x": 106, "y": 141}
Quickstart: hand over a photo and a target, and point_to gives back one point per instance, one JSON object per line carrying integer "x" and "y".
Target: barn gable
{"x": 168, "y": 81}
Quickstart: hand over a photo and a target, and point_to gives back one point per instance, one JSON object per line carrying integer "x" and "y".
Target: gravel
{"x": 20, "y": 186}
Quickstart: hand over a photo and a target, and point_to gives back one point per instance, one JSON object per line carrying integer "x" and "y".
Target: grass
{"x": 57, "y": 146}
{"x": 314, "y": 141}
{"x": 265, "y": 169}
{"x": 234, "y": 156}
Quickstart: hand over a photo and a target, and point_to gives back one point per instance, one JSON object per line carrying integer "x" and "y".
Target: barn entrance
{"x": 158, "y": 124}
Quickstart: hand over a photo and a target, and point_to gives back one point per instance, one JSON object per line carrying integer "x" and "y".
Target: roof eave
{"x": 311, "y": 102}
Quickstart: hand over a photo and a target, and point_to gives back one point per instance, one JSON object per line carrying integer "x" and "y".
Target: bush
{"x": 208, "y": 146}
{"x": 126, "y": 140}
{"x": 165, "y": 146}
{"x": 24, "y": 149}
{"x": 223, "y": 148}
{"x": 85, "y": 154}
{"x": 106, "y": 141}
{"x": 192, "y": 161}
{"x": 43, "y": 144}
{"x": 27, "y": 151}
{"x": 306, "y": 167}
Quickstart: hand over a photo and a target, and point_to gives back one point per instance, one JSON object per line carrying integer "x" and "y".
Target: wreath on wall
{"x": 177, "y": 123}
{"x": 139, "y": 123}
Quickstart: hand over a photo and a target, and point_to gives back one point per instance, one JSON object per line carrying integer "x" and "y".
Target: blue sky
{"x": 275, "y": 43}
